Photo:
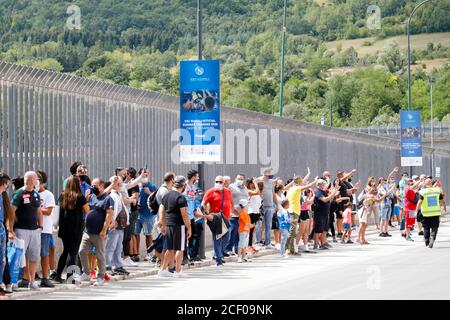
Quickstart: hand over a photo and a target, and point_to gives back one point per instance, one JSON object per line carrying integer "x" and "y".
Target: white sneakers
{"x": 240, "y": 260}
{"x": 99, "y": 282}
{"x": 278, "y": 246}
{"x": 180, "y": 274}
{"x": 295, "y": 247}
{"x": 129, "y": 263}
{"x": 34, "y": 286}
{"x": 165, "y": 274}
{"x": 285, "y": 256}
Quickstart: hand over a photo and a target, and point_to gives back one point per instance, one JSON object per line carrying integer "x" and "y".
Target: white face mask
{"x": 218, "y": 186}
{"x": 37, "y": 186}
{"x": 239, "y": 183}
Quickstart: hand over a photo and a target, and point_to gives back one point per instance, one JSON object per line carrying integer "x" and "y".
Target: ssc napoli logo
{"x": 199, "y": 70}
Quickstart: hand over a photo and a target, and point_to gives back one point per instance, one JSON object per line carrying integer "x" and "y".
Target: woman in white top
{"x": 254, "y": 207}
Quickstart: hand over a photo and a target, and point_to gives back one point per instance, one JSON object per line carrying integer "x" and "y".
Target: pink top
{"x": 347, "y": 216}
{"x": 305, "y": 207}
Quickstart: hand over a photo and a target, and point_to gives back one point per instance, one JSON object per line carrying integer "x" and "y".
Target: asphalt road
{"x": 388, "y": 268}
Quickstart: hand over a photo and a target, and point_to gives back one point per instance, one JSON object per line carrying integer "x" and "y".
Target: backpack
{"x": 152, "y": 204}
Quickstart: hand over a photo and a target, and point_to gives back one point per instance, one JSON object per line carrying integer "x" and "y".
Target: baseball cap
{"x": 180, "y": 181}
{"x": 243, "y": 202}
{"x": 322, "y": 182}
{"x": 415, "y": 177}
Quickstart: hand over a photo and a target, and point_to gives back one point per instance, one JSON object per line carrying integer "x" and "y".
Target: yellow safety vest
{"x": 430, "y": 203}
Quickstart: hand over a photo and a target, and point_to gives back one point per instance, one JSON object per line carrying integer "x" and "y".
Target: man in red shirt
{"x": 218, "y": 200}
{"x": 410, "y": 206}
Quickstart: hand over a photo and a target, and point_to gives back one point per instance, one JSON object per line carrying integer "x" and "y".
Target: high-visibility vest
{"x": 430, "y": 203}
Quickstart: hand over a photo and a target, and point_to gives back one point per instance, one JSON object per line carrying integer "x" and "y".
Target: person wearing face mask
{"x": 239, "y": 192}
{"x": 47, "y": 242}
{"x": 146, "y": 217}
{"x": 98, "y": 221}
{"x": 269, "y": 198}
{"x": 177, "y": 226}
{"x": 73, "y": 171}
{"x": 220, "y": 202}
{"x": 26, "y": 221}
{"x": 191, "y": 194}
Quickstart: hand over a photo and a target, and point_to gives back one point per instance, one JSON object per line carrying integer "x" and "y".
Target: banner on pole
{"x": 411, "y": 139}
{"x": 200, "y": 111}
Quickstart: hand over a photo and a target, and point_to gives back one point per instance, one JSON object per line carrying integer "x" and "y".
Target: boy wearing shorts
{"x": 244, "y": 228}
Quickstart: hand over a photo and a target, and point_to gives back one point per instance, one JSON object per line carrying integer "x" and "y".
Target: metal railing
{"x": 440, "y": 130}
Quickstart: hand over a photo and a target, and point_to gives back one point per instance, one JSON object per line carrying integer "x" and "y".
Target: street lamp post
{"x": 431, "y": 79}
{"x": 201, "y": 171}
{"x": 409, "y": 58}
{"x": 283, "y": 46}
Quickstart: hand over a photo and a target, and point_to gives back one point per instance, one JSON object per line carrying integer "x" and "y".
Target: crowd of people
{"x": 100, "y": 222}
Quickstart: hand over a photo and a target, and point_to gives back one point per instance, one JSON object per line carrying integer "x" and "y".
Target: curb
{"x": 138, "y": 274}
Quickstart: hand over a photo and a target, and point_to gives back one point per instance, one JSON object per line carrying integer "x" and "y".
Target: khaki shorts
{"x": 363, "y": 215}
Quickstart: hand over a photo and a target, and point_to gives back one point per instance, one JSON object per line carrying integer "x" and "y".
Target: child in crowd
{"x": 285, "y": 225}
{"x": 244, "y": 228}
{"x": 347, "y": 216}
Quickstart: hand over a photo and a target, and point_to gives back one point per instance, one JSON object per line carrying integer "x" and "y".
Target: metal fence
{"x": 49, "y": 119}
{"x": 440, "y": 130}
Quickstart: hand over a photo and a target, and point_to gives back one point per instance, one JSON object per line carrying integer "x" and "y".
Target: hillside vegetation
{"x": 140, "y": 43}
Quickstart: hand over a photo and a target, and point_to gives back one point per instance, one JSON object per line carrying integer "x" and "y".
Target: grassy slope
{"x": 418, "y": 41}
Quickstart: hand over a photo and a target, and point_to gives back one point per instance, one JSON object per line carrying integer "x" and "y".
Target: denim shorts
{"x": 46, "y": 238}
{"x": 384, "y": 213}
{"x": 146, "y": 224}
{"x": 243, "y": 240}
{"x": 347, "y": 226}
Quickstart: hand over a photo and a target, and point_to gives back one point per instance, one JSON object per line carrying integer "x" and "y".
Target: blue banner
{"x": 411, "y": 138}
{"x": 200, "y": 110}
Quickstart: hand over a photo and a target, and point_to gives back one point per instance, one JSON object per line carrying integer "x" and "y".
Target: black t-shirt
{"x": 173, "y": 201}
{"x": 97, "y": 215}
{"x": 27, "y": 203}
{"x": 71, "y": 222}
{"x": 130, "y": 193}
{"x": 321, "y": 208}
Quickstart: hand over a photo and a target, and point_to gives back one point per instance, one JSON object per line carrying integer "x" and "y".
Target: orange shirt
{"x": 244, "y": 219}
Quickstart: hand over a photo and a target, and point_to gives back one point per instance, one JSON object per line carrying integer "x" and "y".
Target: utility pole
{"x": 283, "y": 47}
{"x": 409, "y": 58}
{"x": 201, "y": 171}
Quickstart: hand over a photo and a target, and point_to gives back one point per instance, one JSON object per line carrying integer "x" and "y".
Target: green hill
{"x": 139, "y": 43}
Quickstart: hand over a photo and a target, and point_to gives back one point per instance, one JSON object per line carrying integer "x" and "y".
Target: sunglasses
{"x": 219, "y": 182}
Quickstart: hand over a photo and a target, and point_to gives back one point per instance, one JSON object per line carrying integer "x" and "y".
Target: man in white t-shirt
{"x": 47, "y": 206}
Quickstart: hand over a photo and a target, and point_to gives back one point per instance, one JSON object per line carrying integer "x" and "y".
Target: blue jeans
{"x": 114, "y": 248}
{"x": 233, "y": 236}
{"x": 2, "y": 250}
{"x": 258, "y": 228}
{"x": 284, "y": 237}
{"x": 218, "y": 247}
{"x": 268, "y": 215}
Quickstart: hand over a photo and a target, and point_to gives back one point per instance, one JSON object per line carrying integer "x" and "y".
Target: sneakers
{"x": 34, "y": 286}
{"x": 409, "y": 239}
{"x": 158, "y": 264}
{"x": 278, "y": 246}
{"x": 135, "y": 258}
{"x": 99, "y": 282}
{"x": 45, "y": 283}
{"x": 52, "y": 275}
{"x": 93, "y": 275}
{"x": 226, "y": 254}
{"x": 323, "y": 247}
{"x": 153, "y": 259}
{"x": 285, "y": 256}
{"x": 295, "y": 247}
{"x": 382, "y": 234}
{"x": 84, "y": 277}
{"x": 248, "y": 258}
{"x": 329, "y": 246}
{"x": 179, "y": 274}
{"x": 197, "y": 259}
{"x": 315, "y": 247}
{"x": 240, "y": 260}
{"x": 431, "y": 243}
{"x": 269, "y": 247}
{"x": 121, "y": 271}
{"x": 165, "y": 274}
{"x": 128, "y": 262}
{"x": 387, "y": 234}
{"x": 185, "y": 261}
{"x": 24, "y": 283}
{"x": 349, "y": 241}
{"x": 7, "y": 290}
